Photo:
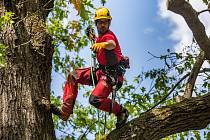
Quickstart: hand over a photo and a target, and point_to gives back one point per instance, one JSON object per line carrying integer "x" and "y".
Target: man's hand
{"x": 98, "y": 46}
{"x": 90, "y": 33}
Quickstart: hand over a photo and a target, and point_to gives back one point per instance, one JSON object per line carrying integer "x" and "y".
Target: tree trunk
{"x": 190, "y": 114}
{"x": 25, "y": 81}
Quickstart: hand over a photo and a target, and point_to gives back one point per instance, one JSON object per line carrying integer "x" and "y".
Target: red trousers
{"x": 99, "y": 96}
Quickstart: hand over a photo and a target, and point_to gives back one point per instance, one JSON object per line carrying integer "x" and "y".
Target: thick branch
{"x": 190, "y": 114}
{"x": 193, "y": 75}
{"x": 184, "y": 9}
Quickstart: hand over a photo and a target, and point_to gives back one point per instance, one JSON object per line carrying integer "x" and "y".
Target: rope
{"x": 92, "y": 37}
{"x": 92, "y": 66}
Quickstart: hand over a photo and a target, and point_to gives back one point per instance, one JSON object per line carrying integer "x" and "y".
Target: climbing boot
{"x": 55, "y": 110}
{"x": 122, "y": 117}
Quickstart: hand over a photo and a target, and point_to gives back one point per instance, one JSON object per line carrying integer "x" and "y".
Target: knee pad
{"x": 94, "y": 101}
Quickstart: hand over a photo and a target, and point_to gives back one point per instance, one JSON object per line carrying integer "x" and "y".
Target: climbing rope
{"x": 91, "y": 36}
{"x": 92, "y": 70}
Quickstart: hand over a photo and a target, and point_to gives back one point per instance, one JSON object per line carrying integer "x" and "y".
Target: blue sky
{"x": 139, "y": 29}
{"x": 142, "y": 26}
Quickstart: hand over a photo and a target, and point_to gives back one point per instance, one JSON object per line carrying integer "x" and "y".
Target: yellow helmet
{"x": 102, "y": 13}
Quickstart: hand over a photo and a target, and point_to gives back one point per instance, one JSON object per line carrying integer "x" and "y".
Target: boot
{"x": 122, "y": 117}
{"x": 55, "y": 110}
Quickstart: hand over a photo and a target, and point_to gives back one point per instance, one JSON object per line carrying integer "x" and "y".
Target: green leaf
{"x": 2, "y": 55}
{"x": 83, "y": 12}
{"x": 6, "y": 18}
{"x": 197, "y": 135}
{"x": 206, "y": 2}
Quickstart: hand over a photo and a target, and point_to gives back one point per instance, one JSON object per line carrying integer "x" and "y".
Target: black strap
{"x": 94, "y": 76}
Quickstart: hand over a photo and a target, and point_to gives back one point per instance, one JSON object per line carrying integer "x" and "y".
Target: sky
{"x": 143, "y": 26}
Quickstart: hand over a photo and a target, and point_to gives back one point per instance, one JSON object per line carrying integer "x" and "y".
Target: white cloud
{"x": 180, "y": 31}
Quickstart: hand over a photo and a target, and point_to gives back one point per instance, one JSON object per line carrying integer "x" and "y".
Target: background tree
{"x": 26, "y": 56}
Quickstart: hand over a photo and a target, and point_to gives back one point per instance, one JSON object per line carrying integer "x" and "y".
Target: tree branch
{"x": 157, "y": 123}
{"x": 193, "y": 75}
{"x": 179, "y": 98}
{"x": 207, "y": 10}
{"x": 184, "y": 9}
{"x": 161, "y": 122}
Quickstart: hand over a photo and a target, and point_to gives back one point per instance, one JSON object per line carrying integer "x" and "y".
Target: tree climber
{"x": 110, "y": 73}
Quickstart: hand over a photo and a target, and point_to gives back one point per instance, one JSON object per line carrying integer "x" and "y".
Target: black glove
{"x": 90, "y": 33}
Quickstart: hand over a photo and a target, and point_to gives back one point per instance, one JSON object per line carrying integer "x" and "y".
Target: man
{"x": 110, "y": 73}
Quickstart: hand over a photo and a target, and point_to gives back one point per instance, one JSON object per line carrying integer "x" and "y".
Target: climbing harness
{"x": 112, "y": 73}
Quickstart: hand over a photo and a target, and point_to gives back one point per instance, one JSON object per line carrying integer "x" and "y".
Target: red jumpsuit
{"x": 99, "y": 96}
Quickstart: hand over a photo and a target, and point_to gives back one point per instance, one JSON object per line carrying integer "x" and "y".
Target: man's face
{"x": 102, "y": 26}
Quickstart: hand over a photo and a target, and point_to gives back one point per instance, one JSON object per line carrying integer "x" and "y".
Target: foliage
{"x": 206, "y": 1}
{"x": 68, "y": 33}
{"x": 68, "y": 37}
{"x": 137, "y": 96}
{"x": 2, "y": 55}
{"x": 6, "y": 18}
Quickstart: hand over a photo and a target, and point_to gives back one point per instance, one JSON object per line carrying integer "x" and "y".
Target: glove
{"x": 90, "y": 33}
{"x": 98, "y": 46}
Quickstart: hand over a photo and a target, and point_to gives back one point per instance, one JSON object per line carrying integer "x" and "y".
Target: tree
{"x": 26, "y": 54}
{"x": 25, "y": 79}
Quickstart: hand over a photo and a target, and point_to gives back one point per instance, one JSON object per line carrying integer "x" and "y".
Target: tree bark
{"x": 25, "y": 81}
{"x": 190, "y": 114}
